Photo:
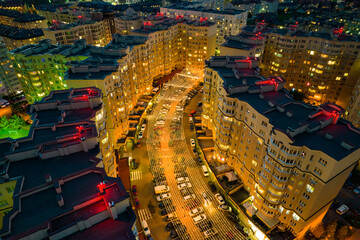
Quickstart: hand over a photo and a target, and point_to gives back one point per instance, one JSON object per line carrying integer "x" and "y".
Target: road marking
{"x": 136, "y": 175}
{"x": 144, "y": 214}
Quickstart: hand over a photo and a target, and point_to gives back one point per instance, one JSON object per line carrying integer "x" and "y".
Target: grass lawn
{"x": 22, "y": 132}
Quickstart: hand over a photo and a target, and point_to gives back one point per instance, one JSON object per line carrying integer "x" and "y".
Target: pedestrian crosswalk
{"x": 144, "y": 214}
{"x": 136, "y": 175}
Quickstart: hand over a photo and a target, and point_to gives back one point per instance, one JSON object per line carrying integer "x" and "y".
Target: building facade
{"x": 95, "y": 33}
{"x": 352, "y": 112}
{"x": 17, "y": 37}
{"x": 41, "y": 68}
{"x": 228, "y": 22}
{"x": 318, "y": 64}
{"x": 293, "y": 158}
{"x": 21, "y": 20}
{"x": 9, "y": 83}
{"x": 128, "y": 66}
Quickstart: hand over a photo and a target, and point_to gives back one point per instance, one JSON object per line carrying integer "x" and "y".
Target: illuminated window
{"x": 309, "y": 188}
{"x": 346, "y": 74}
{"x": 312, "y": 52}
{"x": 338, "y": 78}
{"x": 295, "y": 217}
{"x": 331, "y": 62}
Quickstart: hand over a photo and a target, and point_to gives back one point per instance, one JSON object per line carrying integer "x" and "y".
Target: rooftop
{"x": 63, "y": 26}
{"x": 18, "y": 33}
{"x": 166, "y": 23}
{"x": 199, "y": 8}
{"x": 19, "y": 16}
{"x": 324, "y": 130}
{"x": 44, "y": 196}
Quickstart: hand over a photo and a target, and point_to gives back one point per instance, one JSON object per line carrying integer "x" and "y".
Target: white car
{"x": 163, "y": 196}
{"x": 192, "y": 142}
{"x": 188, "y": 197}
{"x": 209, "y": 233}
{"x": 184, "y": 185}
{"x": 146, "y": 228}
{"x": 220, "y": 199}
{"x": 342, "y": 209}
{"x": 140, "y": 135}
{"x": 143, "y": 127}
{"x": 199, "y": 218}
{"x": 196, "y": 211}
{"x": 182, "y": 179}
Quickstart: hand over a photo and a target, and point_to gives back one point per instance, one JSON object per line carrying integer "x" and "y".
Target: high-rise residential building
{"x": 352, "y": 112}
{"x": 126, "y": 67}
{"x": 181, "y": 43}
{"x": 128, "y": 22}
{"x": 21, "y": 20}
{"x": 257, "y": 6}
{"x": 58, "y": 13}
{"x": 250, "y": 42}
{"x": 41, "y": 68}
{"x": 52, "y": 183}
{"x": 95, "y": 33}
{"x": 17, "y": 37}
{"x": 9, "y": 83}
{"x": 228, "y": 22}
{"x": 318, "y": 64}
{"x": 293, "y": 158}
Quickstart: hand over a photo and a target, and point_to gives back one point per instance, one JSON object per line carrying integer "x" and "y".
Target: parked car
{"x": 143, "y": 127}
{"x": 184, "y": 185}
{"x": 134, "y": 164}
{"x": 171, "y": 225}
{"x": 163, "y": 196}
{"x": 146, "y": 228}
{"x": 224, "y": 208}
{"x": 206, "y": 199}
{"x": 209, "y": 233}
{"x": 357, "y": 190}
{"x": 168, "y": 210}
{"x": 140, "y": 135}
{"x": 192, "y": 142}
{"x": 134, "y": 190}
{"x": 170, "y": 217}
{"x": 137, "y": 204}
{"x": 342, "y": 209}
{"x": 232, "y": 217}
{"x": 219, "y": 198}
{"x": 138, "y": 144}
{"x": 199, "y": 218}
{"x": 196, "y": 211}
{"x": 212, "y": 186}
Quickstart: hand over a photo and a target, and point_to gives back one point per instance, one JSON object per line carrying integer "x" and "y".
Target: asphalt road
{"x": 169, "y": 153}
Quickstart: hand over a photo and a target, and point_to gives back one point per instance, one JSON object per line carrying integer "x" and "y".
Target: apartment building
{"x": 126, "y": 67}
{"x": 17, "y": 37}
{"x": 293, "y": 158}
{"x": 41, "y": 68}
{"x": 128, "y": 22}
{"x": 352, "y": 112}
{"x": 52, "y": 183}
{"x": 179, "y": 43}
{"x": 228, "y": 22}
{"x": 250, "y": 42}
{"x": 58, "y": 13}
{"x": 318, "y": 64}
{"x": 9, "y": 83}
{"x": 95, "y": 33}
{"x": 21, "y": 20}
{"x": 257, "y": 6}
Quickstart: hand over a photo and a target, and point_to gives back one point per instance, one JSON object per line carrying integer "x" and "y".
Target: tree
{"x": 343, "y": 232}
{"x": 4, "y": 122}
{"x": 298, "y": 96}
{"x": 15, "y": 122}
{"x": 331, "y": 229}
{"x": 18, "y": 108}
